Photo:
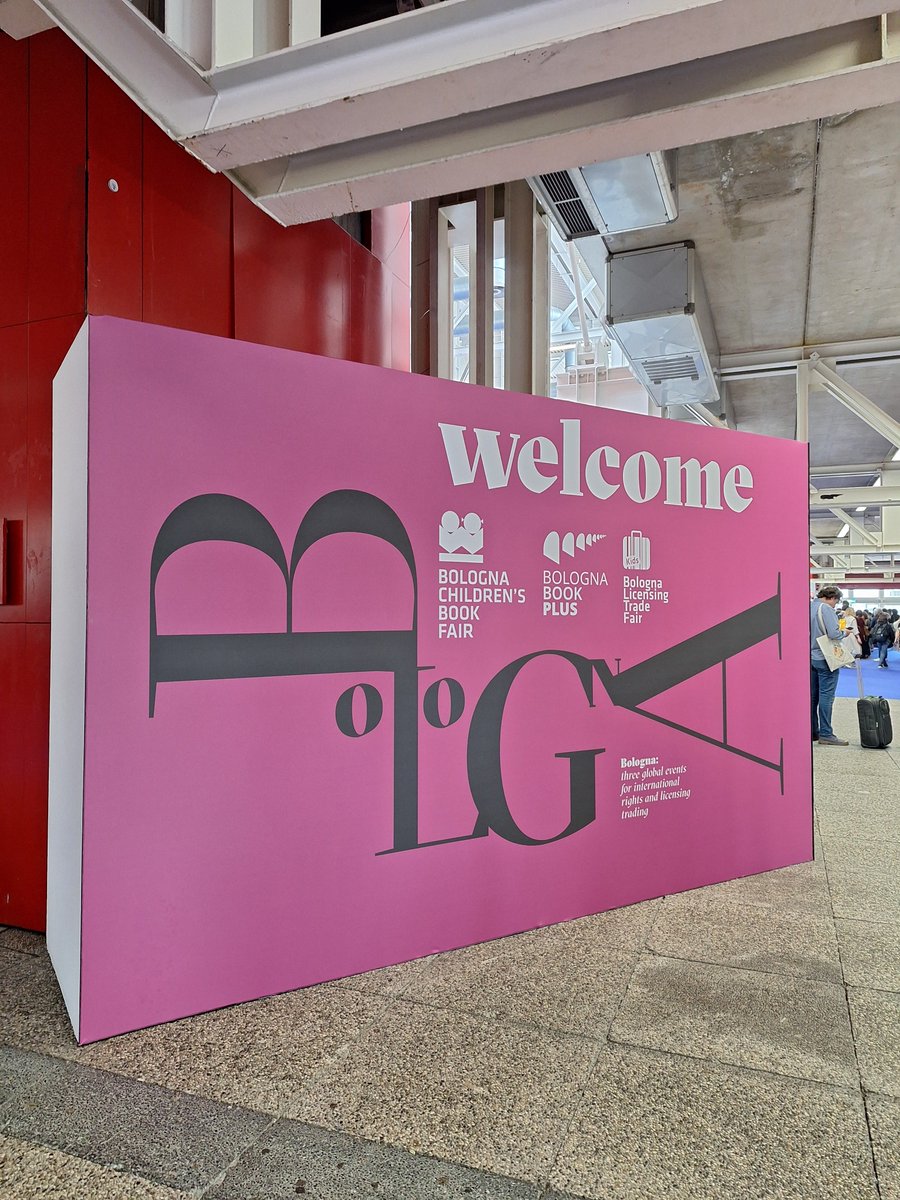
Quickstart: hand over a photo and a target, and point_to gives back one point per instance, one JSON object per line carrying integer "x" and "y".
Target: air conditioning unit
{"x": 622, "y": 194}
{"x": 658, "y": 312}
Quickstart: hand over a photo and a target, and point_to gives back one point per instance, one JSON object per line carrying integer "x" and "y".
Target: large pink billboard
{"x": 355, "y": 666}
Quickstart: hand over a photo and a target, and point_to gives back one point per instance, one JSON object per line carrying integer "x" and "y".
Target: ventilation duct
{"x": 637, "y": 192}
{"x": 658, "y": 312}
{"x": 568, "y": 203}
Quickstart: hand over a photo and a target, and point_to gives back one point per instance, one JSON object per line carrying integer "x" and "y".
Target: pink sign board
{"x": 376, "y": 665}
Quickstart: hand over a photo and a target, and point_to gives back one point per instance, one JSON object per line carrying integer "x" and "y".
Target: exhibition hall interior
{"x": 425, "y": 427}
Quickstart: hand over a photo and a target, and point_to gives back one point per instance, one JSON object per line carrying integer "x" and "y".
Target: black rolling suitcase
{"x": 874, "y": 712}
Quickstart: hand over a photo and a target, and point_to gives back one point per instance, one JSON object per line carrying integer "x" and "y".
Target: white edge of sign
{"x": 68, "y": 645}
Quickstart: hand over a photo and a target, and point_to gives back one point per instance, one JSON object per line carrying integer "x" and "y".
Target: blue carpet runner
{"x": 876, "y": 682}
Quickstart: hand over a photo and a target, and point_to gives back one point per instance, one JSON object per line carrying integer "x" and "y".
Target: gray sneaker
{"x": 832, "y": 741}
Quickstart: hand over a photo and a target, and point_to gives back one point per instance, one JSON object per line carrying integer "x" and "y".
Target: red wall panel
{"x": 56, "y": 175}
{"x": 25, "y": 704}
{"x": 187, "y": 239}
{"x": 173, "y": 244}
{"x": 391, "y": 245}
{"x": 14, "y": 194}
{"x": 291, "y": 286}
{"x": 14, "y": 464}
{"x": 115, "y": 239}
{"x": 48, "y": 342}
{"x": 392, "y": 238}
{"x": 401, "y": 325}
{"x": 370, "y": 309}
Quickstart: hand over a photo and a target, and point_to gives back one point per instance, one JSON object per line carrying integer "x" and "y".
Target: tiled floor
{"x": 742, "y": 1041}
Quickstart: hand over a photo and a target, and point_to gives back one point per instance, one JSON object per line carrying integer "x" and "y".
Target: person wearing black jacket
{"x": 882, "y": 636}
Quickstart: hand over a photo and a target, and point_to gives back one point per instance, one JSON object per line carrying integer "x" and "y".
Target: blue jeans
{"x": 883, "y": 648}
{"x": 823, "y": 684}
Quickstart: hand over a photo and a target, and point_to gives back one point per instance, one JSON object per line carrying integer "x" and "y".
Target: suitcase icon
{"x": 636, "y": 551}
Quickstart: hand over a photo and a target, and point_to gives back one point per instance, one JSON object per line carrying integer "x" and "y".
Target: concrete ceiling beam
{"x": 490, "y": 90}
{"x": 700, "y": 101}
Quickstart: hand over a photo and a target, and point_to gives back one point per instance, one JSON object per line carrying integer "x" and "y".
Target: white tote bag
{"x": 837, "y": 654}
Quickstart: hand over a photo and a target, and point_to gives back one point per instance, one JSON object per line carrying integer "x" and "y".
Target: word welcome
{"x": 642, "y": 477}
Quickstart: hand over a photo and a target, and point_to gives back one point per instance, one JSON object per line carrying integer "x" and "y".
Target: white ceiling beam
{"x": 232, "y": 30}
{"x": 754, "y": 364}
{"x": 826, "y": 551}
{"x": 444, "y": 60}
{"x": 847, "y": 469}
{"x": 159, "y": 77}
{"x": 872, "y": 577}
{"x": 189, "y": 24}
{"x": 305, "y": 21}
{"x": 890, "y": 35}
{"x": 717, "y": 97}
{"x": 22, "y": 18}
{"x": 452, "y": 60}
{"x": 801, "y": 424}
{"x": 817, "y": 550}
{"x": 700, "y": 413}
{"x": 477, "y": 87}
{"x": 866, "y": 534}
{"x": 850, "y": 497}
{"x": 853, "y": 399}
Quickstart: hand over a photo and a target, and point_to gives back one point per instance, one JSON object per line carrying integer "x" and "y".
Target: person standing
{"x": 823, "y": 681}
{"x": 862, "y": 626}
{"x": 882, "y": 636}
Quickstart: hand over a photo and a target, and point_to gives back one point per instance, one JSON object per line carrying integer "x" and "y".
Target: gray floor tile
{"x": 22, "y": 1072}
{"x": 832, "y": 786}
{"x": 563, "y": 977}
{"x": 864, "y": 854}
{"x": 177, "y": 1140}
{"x": 181, "y": 1141}
{"x": 660, "y": 1127}
{"x": 884, "y": 1122}
{"x": 791, "y": 1026}
{"x": 32, "y": 1014}
{"x": 852, "y": 760}
{"x": 863, "y": 819}
{"x": 803, "y": 887}
{"x": 838, "y": 826}
{"x": 494, "y": 1096}
{"x": 23, "y": 941}
{"x": 867, "y": 895}
{"x": 625, "y": 928}
{"x": 28, "y": 1171}
{"x": 386, "y": 981}
{"x": 293, "y": 1159}
{"x": 870, "y": 953}
{"x": 259, "y": 1055}
{"x": 876, "y": 1030}
{"x": 707, "y": 926}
